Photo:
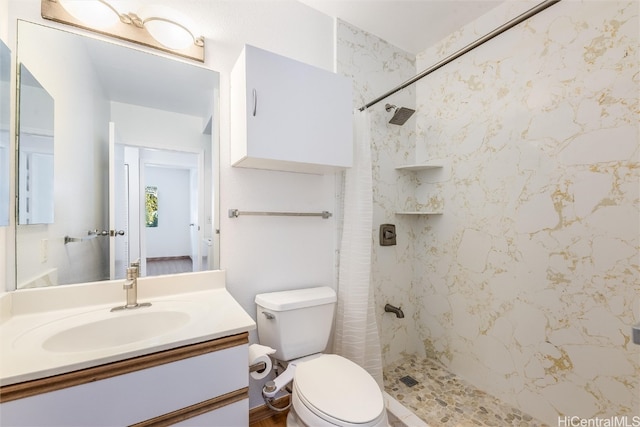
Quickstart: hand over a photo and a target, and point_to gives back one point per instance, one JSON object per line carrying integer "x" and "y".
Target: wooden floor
{"x": 262, "y": 416}
{"x": 170, "y": 265}
{"x": 279, "y": 420}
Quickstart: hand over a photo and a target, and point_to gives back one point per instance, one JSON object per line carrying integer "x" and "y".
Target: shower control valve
{"x": 387, "y": 234}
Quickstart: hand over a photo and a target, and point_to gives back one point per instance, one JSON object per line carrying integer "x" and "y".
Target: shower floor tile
{"x": 440, "y": 398}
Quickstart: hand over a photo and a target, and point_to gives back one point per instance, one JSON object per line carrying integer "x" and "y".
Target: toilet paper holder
{"x": 257, "y": 367}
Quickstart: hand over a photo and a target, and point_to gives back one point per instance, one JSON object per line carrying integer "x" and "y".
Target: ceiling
{"x": 412, "y": 25}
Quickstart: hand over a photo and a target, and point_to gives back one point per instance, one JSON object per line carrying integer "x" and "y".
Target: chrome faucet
{"x": 130, "y": 286}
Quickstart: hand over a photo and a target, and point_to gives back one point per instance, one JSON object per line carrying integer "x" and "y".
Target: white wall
{"x": 4, "y": 14}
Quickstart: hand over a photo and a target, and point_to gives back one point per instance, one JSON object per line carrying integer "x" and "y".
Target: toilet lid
{"x": 339, "y": 388}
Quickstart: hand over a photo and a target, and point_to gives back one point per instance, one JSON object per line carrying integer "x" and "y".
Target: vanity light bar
{"x": 130, "y": 28}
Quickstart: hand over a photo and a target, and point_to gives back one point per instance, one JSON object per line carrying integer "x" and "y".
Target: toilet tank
{"x": 296, "y": 323}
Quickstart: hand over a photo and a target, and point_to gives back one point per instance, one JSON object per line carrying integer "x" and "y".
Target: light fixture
{"x": 171, "y": 32}
{"x": 152, "y": 28}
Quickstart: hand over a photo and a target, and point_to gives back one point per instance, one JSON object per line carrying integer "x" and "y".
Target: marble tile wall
{"x": 528, "y": 284}
{"x": 375, "y": 67}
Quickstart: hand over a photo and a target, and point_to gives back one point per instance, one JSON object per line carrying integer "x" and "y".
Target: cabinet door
{"x": 137, "y": 396}
{"x": 236, "y": 414}
{"x": 295, "y": 112}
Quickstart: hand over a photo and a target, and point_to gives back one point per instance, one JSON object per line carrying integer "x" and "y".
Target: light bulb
{"x": 170, "y": 28}
{"x": 93, "y": 13}
{"x": 169, "y": 34}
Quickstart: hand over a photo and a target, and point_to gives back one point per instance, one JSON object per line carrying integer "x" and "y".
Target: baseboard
{"x": 263, "y": 412}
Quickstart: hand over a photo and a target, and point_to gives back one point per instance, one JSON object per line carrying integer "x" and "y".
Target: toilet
{"x": 327, "y": 389}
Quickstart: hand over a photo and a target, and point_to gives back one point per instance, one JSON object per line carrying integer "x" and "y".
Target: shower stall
{"x": 527, "y": 281}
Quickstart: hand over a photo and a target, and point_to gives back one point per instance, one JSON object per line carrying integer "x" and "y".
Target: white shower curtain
{"x": 356, "y": 332}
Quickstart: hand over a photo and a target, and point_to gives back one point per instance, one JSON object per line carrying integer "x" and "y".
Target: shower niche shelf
{"x": 416, "y": 213}
{"x": 426, "y": 166}
{"x": 419, "y": 167}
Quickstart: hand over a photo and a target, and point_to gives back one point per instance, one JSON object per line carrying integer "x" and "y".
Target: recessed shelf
{"x": 419, "y": 167}
{"x": 414, "y": 168}
{"x": 418, "y": 213}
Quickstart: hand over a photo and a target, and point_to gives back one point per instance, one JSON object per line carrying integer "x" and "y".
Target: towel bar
{"x": 234, "y": 213}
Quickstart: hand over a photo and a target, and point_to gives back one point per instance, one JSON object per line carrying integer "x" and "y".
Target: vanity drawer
{"x": 235, "y": 414}
{"x": 186, "y": 387}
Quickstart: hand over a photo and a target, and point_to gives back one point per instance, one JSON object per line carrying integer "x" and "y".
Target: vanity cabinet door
{"x": 290, "y": 116}
{"x": 236, "y": 414}
{"x": 143, "y": 396}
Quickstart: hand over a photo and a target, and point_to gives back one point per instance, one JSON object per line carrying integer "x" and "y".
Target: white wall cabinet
{"x": 289, "y": 116}
{"x": 209, "y": 388}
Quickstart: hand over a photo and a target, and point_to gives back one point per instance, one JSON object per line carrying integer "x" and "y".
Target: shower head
{"x": 400, "y": 115}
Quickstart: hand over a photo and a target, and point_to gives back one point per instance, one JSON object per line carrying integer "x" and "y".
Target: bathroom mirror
{"x": 35, "y": 151}
{"x": 124, "y": 120}
{"x": 5, "y": 117}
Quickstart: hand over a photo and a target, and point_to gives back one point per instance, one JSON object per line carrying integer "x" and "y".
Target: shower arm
{"x": 501, "y": 29}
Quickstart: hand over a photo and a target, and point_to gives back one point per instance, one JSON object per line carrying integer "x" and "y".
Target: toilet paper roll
{"x": 260, "y": 353}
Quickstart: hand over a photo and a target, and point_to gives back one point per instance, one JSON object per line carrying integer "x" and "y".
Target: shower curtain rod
{"x": 501, "y": 29}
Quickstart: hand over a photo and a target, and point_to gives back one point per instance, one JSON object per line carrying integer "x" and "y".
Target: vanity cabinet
{"x": 289, "y": 116}
{"x": 199, "y": 384}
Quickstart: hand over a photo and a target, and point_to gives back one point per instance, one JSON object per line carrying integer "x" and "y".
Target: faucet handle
{"x": 132, "y": 273}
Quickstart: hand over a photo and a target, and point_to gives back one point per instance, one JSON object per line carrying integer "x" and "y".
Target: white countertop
{"x": 26, "y": 316}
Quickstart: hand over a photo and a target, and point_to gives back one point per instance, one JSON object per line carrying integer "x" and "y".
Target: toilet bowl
{"x": 333, "y": 391}
{"x": 328, "y": 389}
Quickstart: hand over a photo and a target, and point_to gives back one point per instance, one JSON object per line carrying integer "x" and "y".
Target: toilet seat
{"x": 339, "y": 391}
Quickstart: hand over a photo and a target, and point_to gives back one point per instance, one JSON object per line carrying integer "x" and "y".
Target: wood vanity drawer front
{"x": 136, "y": 396}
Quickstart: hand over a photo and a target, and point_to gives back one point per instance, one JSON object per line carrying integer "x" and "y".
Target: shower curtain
{"x": 356, "y": 332}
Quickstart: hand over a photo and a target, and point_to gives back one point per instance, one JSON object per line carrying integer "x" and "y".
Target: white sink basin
{"x": 115, "y": 331}
{"x": 104, "y": 329}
